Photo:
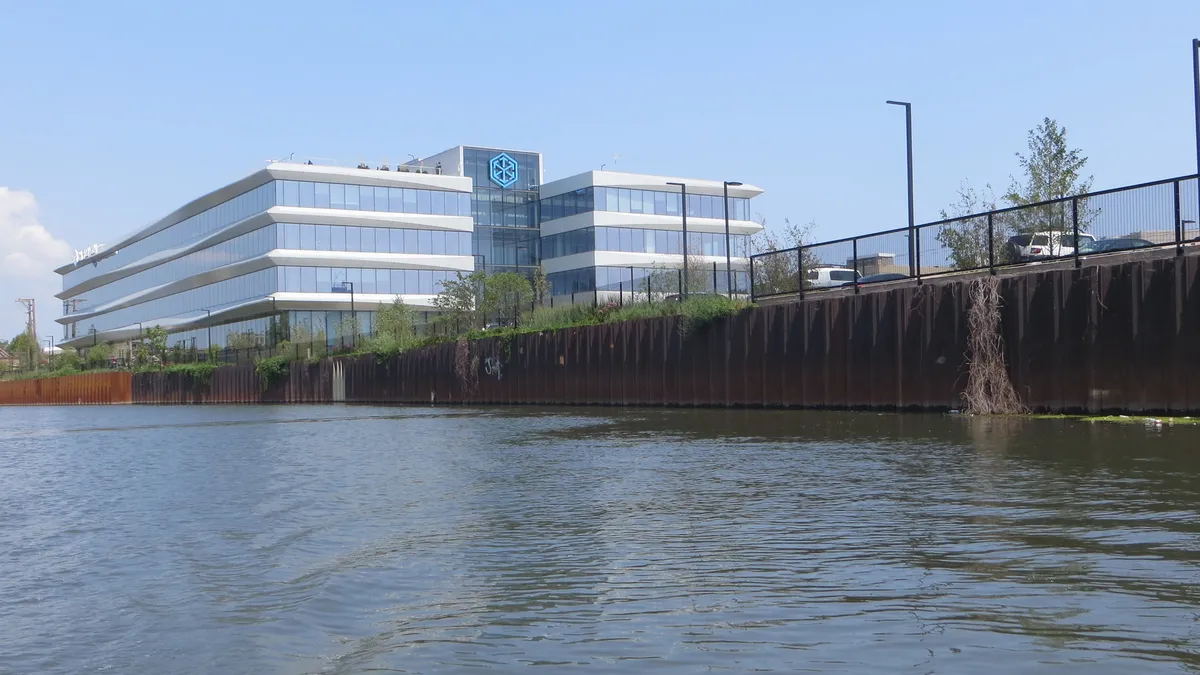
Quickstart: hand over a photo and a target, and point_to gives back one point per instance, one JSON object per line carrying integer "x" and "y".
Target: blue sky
{"x": 116, "y": 113}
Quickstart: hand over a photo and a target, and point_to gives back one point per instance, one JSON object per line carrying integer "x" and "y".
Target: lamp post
{"x": 728, "y": 254}
{"x": 683, "y": 209}
{"x": 92, "y": 330}
{"x": 1196, "y": 84}
{"x": 912, "y": 249}
{"x": 50, "y": 355}
{"x": 353, "y": 316}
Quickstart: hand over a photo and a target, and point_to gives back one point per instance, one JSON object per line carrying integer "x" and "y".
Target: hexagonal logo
{"x": 504, "y": 170}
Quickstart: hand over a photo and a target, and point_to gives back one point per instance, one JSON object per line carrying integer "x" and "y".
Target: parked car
{"x": 1043, "y": 245}
{"x": 829, "y": 277}
{"x": 1116, "y": 244}
{"x": 876, "y": 278}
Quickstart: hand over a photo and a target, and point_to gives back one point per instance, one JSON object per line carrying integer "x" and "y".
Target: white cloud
{"x": 28, "y": 256}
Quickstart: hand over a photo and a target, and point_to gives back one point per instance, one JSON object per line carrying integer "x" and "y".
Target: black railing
{"x": 1158, "y": 214}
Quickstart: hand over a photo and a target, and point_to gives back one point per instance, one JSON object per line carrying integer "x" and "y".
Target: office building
{"x": 301, "y": 251}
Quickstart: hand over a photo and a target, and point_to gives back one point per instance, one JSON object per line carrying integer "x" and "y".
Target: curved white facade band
{"x": 295, "y": 250}
{"x": 271, "y": 249}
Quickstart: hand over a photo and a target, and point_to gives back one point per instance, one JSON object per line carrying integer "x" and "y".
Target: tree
{"x": 396, "y": 321}
{"x": 1051, "y": 170}
{"x": 457, "y": 303}
{"x": 967, "y": 238}
{"x": 504, "y": 295}
{"x": 244, "y": 340}
{"x": 26, "y": 349}
{"x": 779, "y": 273}
{"x": 541, "y": 286}
{"x": 156, "y": 337}
{"x": 98, "y": 355}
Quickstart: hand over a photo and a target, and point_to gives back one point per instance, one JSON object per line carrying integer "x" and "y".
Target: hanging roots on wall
{"x": 466, "y": 367}
{"x": 989, "y": 389}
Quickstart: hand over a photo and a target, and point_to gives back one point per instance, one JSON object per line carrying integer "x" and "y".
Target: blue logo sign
{"x": 503, "y": 170}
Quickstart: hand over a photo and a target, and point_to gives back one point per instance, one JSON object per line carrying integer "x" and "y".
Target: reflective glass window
{"x": 291, "y": 193}
{"x": 308, "y": 241}
{"x": 381, "y": 199}
{"x": 383, "y": 282}
{"x": 423, "y": 205}
{"x": 337, "y": 238}
{"x": 352, "y": 197}
{"x": 337, "y": 196}
{"x": 353, "y": 239}
{"x": 291, "y": 236}
{"x": 324, "y": 280}
{"x": 395, "y": 200}
{"x": 410, "y": 241}
{"x": 322, "y": 243}
{"x": 308, "y": 280}
{"x": 307, "y": 194}
{"x": 321, "y": 192}
{"x": 424, "y": 241}
{"x": 366, "y": 198}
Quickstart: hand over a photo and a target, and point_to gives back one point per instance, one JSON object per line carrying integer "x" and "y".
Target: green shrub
{"x": 271, "y": 369}
{"x": 201, "y": 373}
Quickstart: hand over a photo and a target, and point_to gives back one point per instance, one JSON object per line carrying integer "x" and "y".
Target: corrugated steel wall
{"x": 304, "y": 383}
{"x": 1115, "y": 338}
{"x": 87, "y": 389}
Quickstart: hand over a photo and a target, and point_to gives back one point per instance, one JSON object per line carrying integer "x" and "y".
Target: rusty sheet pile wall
{"x": 304, "y": 383}
{"x": 1118, "y": 338}
{"x": 88, "y": 389}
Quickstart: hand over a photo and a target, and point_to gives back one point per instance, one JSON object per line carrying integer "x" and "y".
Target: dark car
{"x": 875, "y": 278}
{"x": 1108, "y": 245}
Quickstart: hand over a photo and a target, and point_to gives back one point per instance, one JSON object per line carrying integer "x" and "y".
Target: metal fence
{"x": 1159, "y": 214}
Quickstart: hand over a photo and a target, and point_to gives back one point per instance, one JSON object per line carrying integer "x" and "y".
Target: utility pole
{"x": 31, "y": 327}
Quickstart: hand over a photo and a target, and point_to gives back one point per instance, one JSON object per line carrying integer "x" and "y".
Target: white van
{"x": 829, "y": 277}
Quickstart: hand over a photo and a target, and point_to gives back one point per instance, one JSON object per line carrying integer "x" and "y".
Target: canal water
{"x": 412, "y": 540}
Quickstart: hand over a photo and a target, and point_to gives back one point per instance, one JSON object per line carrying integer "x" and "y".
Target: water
{"x": 411, "y": 540}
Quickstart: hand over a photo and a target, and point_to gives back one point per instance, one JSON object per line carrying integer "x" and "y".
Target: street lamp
{"x": 912, "y": 254}
{"x": 50, "y": 356}
{"x": 1196, "y": 83}
{"x": 92, "y": 330}
{"x": 683, "y": 209}
{"x": 353, "y": 316}
{"x": 728, "y": 255}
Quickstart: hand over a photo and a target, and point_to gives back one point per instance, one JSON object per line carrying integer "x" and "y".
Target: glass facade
{"x": 663, "y": 281}
{"x": 506, "y": 219}
{"x": 367, "y": 198}
{"x": 305, "y": 279}
{"x": 184, "y": 232}
{"x": 635, "y": 240}
{"x": 187, "y": 304}
{"x": 654, "y": 202}
{"x": 304, "y": 237}
{"x": 244, "y": 247}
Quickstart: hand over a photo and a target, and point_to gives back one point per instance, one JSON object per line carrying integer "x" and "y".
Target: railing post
{"x": 991, "y": 246}
{"x": 1075, "y": 227}
{"x": 800, "y": 270}
{"x": 854, "y": 247}
{"x": 1178, "y": 221}
{"x": 916, "y": 233}
{"x": 752, "y": 296}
